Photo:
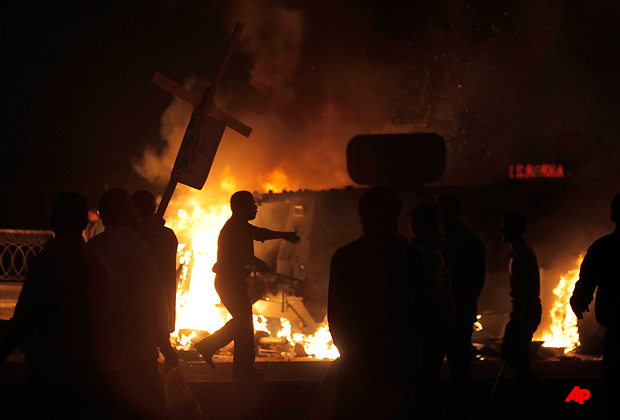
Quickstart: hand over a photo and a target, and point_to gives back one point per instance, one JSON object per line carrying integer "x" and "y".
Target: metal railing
{"x": 17, "y": 249}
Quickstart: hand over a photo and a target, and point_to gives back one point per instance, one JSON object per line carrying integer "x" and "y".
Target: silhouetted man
{"x": 434, "y": 331}
{"x": 54, "y": 311}
{"x": 525, "y": 294}
{"x": 601, "y": 269}
{"x": 465, "y": 256}
{"x": 235, "y": 261}
{"x": 133, "y": 321}
{"x": 369, "y": 305}
{"x": 163, "y": 243}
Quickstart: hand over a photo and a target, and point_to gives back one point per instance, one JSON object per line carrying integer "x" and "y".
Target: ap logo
{"x": 578, "y": 395}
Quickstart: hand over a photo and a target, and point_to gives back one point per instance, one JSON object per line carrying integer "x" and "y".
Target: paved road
{"x": 289, "y": 389}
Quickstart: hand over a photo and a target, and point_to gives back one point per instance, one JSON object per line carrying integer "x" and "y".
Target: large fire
{"x": 563, "y": 331}
{"x": 197, "y": 219}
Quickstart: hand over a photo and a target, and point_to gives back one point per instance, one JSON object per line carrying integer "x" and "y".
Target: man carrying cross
{"x": 235, "y": 262}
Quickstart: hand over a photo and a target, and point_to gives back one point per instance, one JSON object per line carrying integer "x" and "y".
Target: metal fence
{"x": 17, "y": 249}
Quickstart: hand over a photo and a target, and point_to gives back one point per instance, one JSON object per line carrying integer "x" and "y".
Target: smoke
{"x": 500, "y": 84}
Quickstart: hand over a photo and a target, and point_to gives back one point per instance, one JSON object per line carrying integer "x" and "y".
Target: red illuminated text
{"x": 520, "y": 171}
{"x": 578, "y": 395}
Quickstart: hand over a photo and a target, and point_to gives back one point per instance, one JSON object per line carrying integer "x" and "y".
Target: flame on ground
{"x": 199, "y": 217}
{"x": 563, "y": 331}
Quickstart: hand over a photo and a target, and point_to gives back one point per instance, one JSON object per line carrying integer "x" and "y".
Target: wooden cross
{"x": 201, "y": 97}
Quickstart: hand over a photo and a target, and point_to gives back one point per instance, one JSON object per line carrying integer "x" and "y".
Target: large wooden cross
{"x": 206, "y": 127}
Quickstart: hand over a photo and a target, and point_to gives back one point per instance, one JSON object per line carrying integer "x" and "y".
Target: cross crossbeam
{"x": 206, "y": 138}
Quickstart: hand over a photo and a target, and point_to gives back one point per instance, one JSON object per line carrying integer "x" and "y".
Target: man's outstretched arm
{"x": 262, "y": 234}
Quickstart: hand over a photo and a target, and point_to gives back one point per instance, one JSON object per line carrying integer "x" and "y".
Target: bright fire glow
{"x": 318, "y": 345}
{"x": 563, "y": 331}
{"x": 198, "y": 223}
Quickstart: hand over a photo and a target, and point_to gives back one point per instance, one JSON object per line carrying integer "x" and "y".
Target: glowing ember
{"x": 477, "y": 324}
{"x": 563, "y": 331}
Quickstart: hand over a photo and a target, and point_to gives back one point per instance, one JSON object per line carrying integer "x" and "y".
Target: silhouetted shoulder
{"x": 608, "y": 242}
{"x": 473, "y": 240}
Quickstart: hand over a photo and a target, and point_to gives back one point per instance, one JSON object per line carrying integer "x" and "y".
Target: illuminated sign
{"x": 519, "y": 171}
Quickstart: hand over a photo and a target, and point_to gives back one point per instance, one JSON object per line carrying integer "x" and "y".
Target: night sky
{"x": 501, "y": 81}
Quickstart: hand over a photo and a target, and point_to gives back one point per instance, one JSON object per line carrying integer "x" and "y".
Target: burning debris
{"x": 563, "y": 331}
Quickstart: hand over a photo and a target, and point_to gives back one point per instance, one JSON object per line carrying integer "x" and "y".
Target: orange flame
{"x": 197, "y": 222}
{"x": 563, "y": 331}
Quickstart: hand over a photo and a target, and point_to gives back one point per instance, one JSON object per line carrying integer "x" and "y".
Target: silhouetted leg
{"x": 458, "y": 356}
{"x": 138, "y": 392}
{"x": 366, "y": 391}
{"x": 611, "y": 369}
{"x": 220, "y": 338}
{"x": 240, "y": 327}
{"x": 516, "y": 352}
{"x": 423, "y": 397}
{"x": 235, "y": 299}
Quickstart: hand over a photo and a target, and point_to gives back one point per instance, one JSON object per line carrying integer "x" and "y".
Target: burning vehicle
{"x": 290, "y": 309}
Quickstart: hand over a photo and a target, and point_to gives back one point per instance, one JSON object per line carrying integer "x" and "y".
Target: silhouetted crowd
{"x": 396, "y": 309}
{"x": 96, "y": 314}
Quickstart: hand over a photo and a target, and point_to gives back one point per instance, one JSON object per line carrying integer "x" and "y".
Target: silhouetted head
{"x": 514, "y": 225}
{"x": 69, "y": 214}
{"x": 242, "y": 205}
{"x": 115, "y": 208}
{"x": 615, "y": 209}
{"x": 379, "y": 208}
{"x": 426, "y": 222}
{"x": 450, "y": 209}
{"x": 144, "y": 203}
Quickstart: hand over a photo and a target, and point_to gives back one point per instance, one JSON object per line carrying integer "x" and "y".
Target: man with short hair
{"x": 163, "y": 243}
{"x": 235, "y": 262}
{"x": 525, "y": 293}
{"x": 371, "y": 287}
{"x": 600, "y": 270}
{"x": 438, "y": 302}
{"x": 465, "y": 256}
{"x": 55, "y": 311}
{"x": 133, "y": 319}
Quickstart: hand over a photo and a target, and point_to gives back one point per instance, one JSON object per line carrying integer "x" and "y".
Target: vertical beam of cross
{"x": 205, "y": 104}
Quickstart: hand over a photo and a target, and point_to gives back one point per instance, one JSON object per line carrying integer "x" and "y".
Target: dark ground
{"x": 289, "y": 388}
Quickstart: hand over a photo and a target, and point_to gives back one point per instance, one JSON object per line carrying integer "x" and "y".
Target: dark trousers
{"x": 611, "y": 368}
{"x": 136, "y": 392}
{"x": 240, "y": 328}
{"x": 458, "y": 356}
{"x": 516, "y": 352}
{"x": 49, "y": 400}
{"x": 366, "y": 388}
{"x": 423, "y": 398}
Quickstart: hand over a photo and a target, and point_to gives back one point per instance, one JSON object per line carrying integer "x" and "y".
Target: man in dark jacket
{"x": 434, "y": 331}
{"x": 466, "y": 259}
{"x": 133, "y": 320}
{"x": 369, "y": 312}
{"x": 525, "y": 293}
{"x": 601, "y": 269}
{"x": 235, "y": 262}
{"x": 55, "y": 311}
{"x": 163, "y": 243}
